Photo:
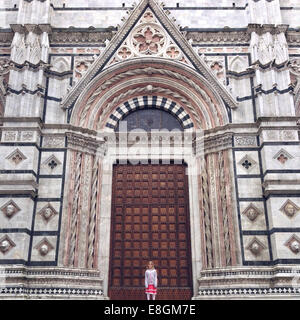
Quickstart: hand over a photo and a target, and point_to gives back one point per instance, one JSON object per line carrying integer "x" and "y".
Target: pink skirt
{"x": 151, "y": 289}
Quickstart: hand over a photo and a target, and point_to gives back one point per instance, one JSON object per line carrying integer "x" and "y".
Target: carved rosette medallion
{"x": 148, "y": 38}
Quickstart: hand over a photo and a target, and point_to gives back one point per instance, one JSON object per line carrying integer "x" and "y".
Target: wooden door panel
{"x": 150, "y": 221}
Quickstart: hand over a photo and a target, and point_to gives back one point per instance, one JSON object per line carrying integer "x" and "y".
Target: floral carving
{"x": 283, "y": 156}
{"x": 245, "y": 141}
{"x": 173, "y": 52}
{"x": 52, "y": 163}
{"x": 148, "y": 17}
{"x": 248, "y": 163}
{"x": 16, "y": 157}
{"x": 124, "y": 52}
{"x": 81, "y": 66}
{"x": 148, "y": 40}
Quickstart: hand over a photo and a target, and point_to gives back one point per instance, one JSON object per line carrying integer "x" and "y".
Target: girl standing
{"x": 151, "y": 281}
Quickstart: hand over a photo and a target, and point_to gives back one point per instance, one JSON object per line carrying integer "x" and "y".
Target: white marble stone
{"x": 250, "y": 188}
{"x": 50, "y": 188}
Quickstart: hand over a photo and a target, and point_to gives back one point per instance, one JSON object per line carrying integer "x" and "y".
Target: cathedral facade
{"x": 135, "y": 132}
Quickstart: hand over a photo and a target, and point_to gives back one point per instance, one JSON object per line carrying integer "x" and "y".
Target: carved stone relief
{"x": 148, "y": 38}
{"x": 290, "y": 209}
{"x": 44, "y": 247}
{"x": 293, "y": 244}
{"x": 48, "y": 212}
{"x": 81, "y": 66}
{"x": 256, "y": 247}
{"x": 16, "y": 157}
{"x": 252, "y": 212}
{"x": 10, "y": 209}
{"x": 6, "y": 244}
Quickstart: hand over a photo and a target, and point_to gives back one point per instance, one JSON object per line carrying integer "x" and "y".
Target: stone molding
{"x": 254, "y": 282}
{"x": 54, "y": 283}
{"x": 264, "y": 28}
{"x": 219, "y": 37}
{"x": 74, "y": 37}
{"x": 218, "y": 143}
{"x": 85, "y": 144}
{"x": 35, "y": 28}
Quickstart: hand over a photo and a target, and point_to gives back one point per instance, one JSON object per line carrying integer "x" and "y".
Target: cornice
{"x": 36, "y": 28}
{"x": 85, "y": 144}
{"x": 80, "y": 37}
{"x": 218, "y": 37}
{"x": 6, "y": 36}
{"x": 293, "y": 37}
{"x": 264, "y": 28}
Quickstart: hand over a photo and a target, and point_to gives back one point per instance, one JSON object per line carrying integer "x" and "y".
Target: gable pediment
{"x": 149, "y": 32}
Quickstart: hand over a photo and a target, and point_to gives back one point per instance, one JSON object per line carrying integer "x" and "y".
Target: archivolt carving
{"x": 154, "y": 90}
{"x": 151, "y": 71}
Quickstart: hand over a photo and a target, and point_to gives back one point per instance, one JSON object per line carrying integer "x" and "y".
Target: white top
{"x": 151, "y": 278}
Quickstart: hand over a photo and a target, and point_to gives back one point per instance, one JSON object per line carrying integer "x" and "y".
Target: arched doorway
{"x": 186, "y": 96}
{"x": 150, "y": 219}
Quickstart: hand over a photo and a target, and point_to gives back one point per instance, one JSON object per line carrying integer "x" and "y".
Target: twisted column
{"x": 224, "y": 208}
{"x": 207, "y": 222}
{"x": 93, "y": 216}
{"x": 75, "y": 210}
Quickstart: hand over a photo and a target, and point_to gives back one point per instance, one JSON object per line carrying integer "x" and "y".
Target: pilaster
{"x": 20, "y": 147}
{"x": 279, "y": 150}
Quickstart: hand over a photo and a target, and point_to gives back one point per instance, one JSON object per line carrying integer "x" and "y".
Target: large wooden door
{"x": 150, "y": 221}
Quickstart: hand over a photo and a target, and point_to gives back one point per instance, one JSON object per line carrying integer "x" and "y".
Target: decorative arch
{"x": 143, "y": 102}
{"x": 180, "y": 86}
{"x": 238, "y": 65}
{"x": 60, "y": 64}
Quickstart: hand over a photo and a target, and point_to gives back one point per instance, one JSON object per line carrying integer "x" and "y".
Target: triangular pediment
{"x": 149, "y": 32}
{"x": 149, "y": 38}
